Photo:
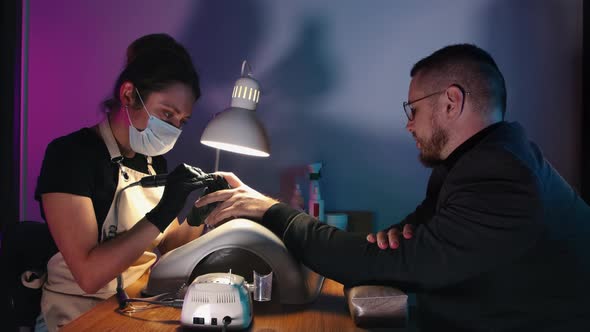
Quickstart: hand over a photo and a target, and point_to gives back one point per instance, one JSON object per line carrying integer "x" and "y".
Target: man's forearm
{"x": 342, "y": 256}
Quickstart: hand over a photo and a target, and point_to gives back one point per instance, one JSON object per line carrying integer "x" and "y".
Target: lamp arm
{"x": 244, "y": 64}
{"x": 217, "y": 160}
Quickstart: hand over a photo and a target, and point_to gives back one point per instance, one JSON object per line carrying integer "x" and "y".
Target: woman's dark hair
{"x": 154, "y": 62}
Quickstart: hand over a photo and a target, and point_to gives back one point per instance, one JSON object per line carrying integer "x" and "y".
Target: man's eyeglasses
{"x": 411, "y": 112}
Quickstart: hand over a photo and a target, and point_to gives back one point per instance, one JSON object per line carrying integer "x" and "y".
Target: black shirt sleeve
{"x": 79, "y": 164}
{"x": 160, "y": 164}
{"x": 66, "y": 168}
{"x": 69, "y": 166}
{"x": 73, "y": 164}
{"x": 486, "y": 218}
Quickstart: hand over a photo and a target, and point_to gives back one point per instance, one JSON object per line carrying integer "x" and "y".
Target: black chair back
{"x": 26, "y": 246}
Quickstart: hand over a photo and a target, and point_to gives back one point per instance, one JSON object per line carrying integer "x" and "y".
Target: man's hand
{"x": 240, "y": 201}
{"x": 391, "y": 238}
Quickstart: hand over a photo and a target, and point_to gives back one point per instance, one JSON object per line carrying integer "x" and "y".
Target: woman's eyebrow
{"x": 172, "y": 107}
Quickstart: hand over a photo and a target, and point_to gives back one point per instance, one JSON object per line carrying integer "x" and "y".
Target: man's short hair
{"x": 469, "y": 66}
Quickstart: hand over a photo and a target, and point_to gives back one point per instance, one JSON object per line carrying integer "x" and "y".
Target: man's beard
{"x": 430, "y": 151}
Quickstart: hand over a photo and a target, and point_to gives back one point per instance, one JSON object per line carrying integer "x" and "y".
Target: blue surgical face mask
{"x": 156, "y": 139}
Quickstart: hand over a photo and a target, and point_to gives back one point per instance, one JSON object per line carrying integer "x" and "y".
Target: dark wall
{"x": 585, "y": 113}
{"x": 10, "y": 39}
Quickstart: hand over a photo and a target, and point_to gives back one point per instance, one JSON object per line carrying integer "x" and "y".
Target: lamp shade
{"x": 237, "y": 129}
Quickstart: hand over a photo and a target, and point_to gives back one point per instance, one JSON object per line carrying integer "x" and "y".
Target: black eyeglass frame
{"x": 410, "y": 112}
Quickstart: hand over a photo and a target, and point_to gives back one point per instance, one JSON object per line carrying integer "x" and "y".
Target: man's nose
{"x": 410, "y": 126}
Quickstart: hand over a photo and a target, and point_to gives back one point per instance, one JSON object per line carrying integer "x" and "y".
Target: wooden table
{"x": 327, "y": 313}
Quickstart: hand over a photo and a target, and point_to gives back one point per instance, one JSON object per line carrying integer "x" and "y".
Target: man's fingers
{"x": 382, "y": 241}
{"x": 393, "y": 236}
{"x": 216, "y": 196}
{"x": 225, "y": 204}
{"x": 408, "y": 231}
{"x": 220, "y": 214}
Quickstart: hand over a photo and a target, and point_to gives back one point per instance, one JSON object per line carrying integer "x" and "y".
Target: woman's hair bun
{"x": 154, "y": 43}
{"x": 154, "y": 62}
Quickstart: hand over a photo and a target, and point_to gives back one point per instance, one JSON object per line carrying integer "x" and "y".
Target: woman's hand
{"x": 183, "y": 180}
{"x": 240, "y": 201}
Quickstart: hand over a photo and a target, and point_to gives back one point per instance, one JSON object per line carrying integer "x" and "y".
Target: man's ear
{"x": 454, "y": 97}
{"x": 126, "y": 95}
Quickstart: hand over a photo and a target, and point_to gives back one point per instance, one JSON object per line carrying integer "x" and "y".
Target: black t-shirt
{"x": 80, "y": 164}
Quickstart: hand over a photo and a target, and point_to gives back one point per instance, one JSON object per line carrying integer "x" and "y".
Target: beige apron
{"x": 63, "y": 300}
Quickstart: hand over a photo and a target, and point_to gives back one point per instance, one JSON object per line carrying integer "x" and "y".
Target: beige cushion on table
{"x": 377, "y": 306}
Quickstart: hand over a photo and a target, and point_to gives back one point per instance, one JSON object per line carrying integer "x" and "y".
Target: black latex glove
{"x": 179, "y": 184}
{"x": 194, "y": 218}
{"x": 197, "y": 216}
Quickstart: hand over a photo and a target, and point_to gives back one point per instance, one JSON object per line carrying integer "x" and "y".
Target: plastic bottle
{"x": 316, "y": 203}
{"x": 297, "y": 201}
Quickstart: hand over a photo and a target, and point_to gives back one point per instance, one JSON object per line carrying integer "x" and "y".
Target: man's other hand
{"x": 390, "y": 238}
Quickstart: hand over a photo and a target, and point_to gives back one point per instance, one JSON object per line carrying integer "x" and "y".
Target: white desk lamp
{"x": 237, "y": 129}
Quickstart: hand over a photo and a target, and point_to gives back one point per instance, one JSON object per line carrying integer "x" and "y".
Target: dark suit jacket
{"x": 501, "y": 243}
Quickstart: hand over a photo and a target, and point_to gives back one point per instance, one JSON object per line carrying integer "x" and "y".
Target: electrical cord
{"x": 122, "y": 296}
{"x": 226, "y": 321}
{"x": 148, "y": 181}
{"x": 169, "y": 302}
{"x": 165, "y": 299}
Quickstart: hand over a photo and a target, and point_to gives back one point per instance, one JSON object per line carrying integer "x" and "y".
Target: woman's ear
{"x": 126, "y": 93}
